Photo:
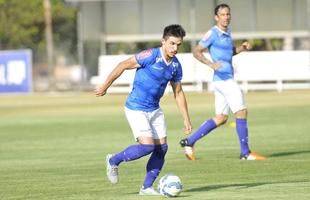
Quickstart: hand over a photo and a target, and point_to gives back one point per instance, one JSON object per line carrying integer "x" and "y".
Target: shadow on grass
{"x": 155, "y": 196}
{"x": 240, "y": 186}
{"x": 288, "y": 153}
{"x": 221, "y": 186}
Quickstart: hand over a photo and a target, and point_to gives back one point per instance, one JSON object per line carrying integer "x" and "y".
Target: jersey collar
{"x": 162, "y": 55}
{"x": 222, "y": 32}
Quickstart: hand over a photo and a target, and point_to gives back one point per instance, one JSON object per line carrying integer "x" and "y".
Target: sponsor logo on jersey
{"x": 207, "y": 35}
{"x": 144, "y": 54}
{"x": 157, "y": 67}
{"x": 159, "y": 59}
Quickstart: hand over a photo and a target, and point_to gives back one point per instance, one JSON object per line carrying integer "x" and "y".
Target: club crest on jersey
{"x": 144, "y": 54}
{"x": 175, "y": 64}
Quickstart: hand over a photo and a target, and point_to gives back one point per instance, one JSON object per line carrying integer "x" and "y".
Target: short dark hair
{"x": 174, "y": 30}
{"x": 223, "y": 5}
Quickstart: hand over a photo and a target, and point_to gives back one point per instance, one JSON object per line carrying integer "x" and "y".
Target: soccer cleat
{"x": 188, "y": 150}
{"x": 252, "y": 156}
{"x": 184, "y": 142}
{"x": 112, "y": 171}
{"x": 148, "y": 191}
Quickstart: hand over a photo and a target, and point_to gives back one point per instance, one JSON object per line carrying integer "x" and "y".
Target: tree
{"x": 22, "y": 27}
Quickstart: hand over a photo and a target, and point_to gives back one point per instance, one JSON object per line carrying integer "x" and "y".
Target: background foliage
{"x": 22, "y": 26}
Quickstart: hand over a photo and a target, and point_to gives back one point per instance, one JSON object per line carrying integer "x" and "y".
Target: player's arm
{"x": 182, "y": 105}
{"x": 198, "y": 53}
{"x": 128, "y": 64}
{"x": 245, "y": 46}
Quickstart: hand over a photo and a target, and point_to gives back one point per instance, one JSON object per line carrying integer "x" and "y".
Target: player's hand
{"x": 187, "y": 127}
{"x": 215, "y": 65}
{"x": 246, "y": 46}
{"x": 100, "y": 90}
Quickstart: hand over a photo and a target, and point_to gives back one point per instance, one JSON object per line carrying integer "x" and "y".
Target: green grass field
{"x": 54, "y": 147}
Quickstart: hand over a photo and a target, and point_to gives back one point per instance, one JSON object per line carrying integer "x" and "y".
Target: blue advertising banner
{"x": 16, "y": 71}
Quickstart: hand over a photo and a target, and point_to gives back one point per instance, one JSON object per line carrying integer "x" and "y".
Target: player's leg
{"x": 153, "y": 168}
{"x": 236, "y": 102}
{"x": 142, "y": 133}
{"x": 157, "y": 159}
{"x": 188, "y": 143}
{"x": 131, "y": 153}
{"x": 221, "y": 110}
{"x": 202, "y": 131}
{"x": 155, "y": 164}
{"x": 242, "y": 131}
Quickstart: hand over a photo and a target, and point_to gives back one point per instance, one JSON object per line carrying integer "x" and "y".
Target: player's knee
{"x": 220, "y": 119}
{"x": 161, "y": 150}
{"x": 147, "y": 148}
{"x": 224, "y": 120}
{"x": 241, "y": 113}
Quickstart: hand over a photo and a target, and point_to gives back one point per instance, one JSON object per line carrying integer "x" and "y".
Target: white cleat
{"x": 148, "y": 191}
{"x": 252, "y": 156}
{"x": 189, "y": 152}
{"x": 112, "y": 171}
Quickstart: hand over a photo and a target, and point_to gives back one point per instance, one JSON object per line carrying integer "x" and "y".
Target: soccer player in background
{"x": 154, "y": 69}
{"x": 228, "y": 96}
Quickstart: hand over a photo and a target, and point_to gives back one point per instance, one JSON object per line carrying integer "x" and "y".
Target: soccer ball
{"x": 170, "y": 185}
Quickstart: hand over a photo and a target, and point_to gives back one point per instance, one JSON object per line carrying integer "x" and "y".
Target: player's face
{"x": 171, "y": 45}
{"x": 223, "y": 18}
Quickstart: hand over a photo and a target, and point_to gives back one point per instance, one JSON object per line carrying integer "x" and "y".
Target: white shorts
{"x": 147, "y": 124}
{"x": 228, "y": 96}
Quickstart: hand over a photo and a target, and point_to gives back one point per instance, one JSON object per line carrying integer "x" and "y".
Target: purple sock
{"x": 242, "y": 130}
{"x": 203, "y": 130}
{"x": 132, "y": 152}
{"x": 155, "y": 164}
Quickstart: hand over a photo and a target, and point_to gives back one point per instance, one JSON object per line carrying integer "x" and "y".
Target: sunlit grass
{"x": 54, "y": 147}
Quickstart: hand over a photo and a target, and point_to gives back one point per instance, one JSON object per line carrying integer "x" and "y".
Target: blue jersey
{"x": 220, "y": 46}
{"x": 151, "y": 79}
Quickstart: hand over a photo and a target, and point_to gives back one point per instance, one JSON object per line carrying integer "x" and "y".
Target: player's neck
{"x": 168, "y": 59}
{"x": 222, "y": 28}
{"x": 165, "y": 55}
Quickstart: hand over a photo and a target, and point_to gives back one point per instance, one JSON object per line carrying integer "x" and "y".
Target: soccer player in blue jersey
{"x": 228, "y": 96}
{"x": 154, "y": 69}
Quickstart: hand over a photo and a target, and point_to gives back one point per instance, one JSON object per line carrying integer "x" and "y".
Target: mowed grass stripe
{"x": 54, "y": 147}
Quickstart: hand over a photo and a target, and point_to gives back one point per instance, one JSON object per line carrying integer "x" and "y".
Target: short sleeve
{"x": 178, "y": 73}
{"x": 145, "y": 57}
{"x": 207, "y": 39}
